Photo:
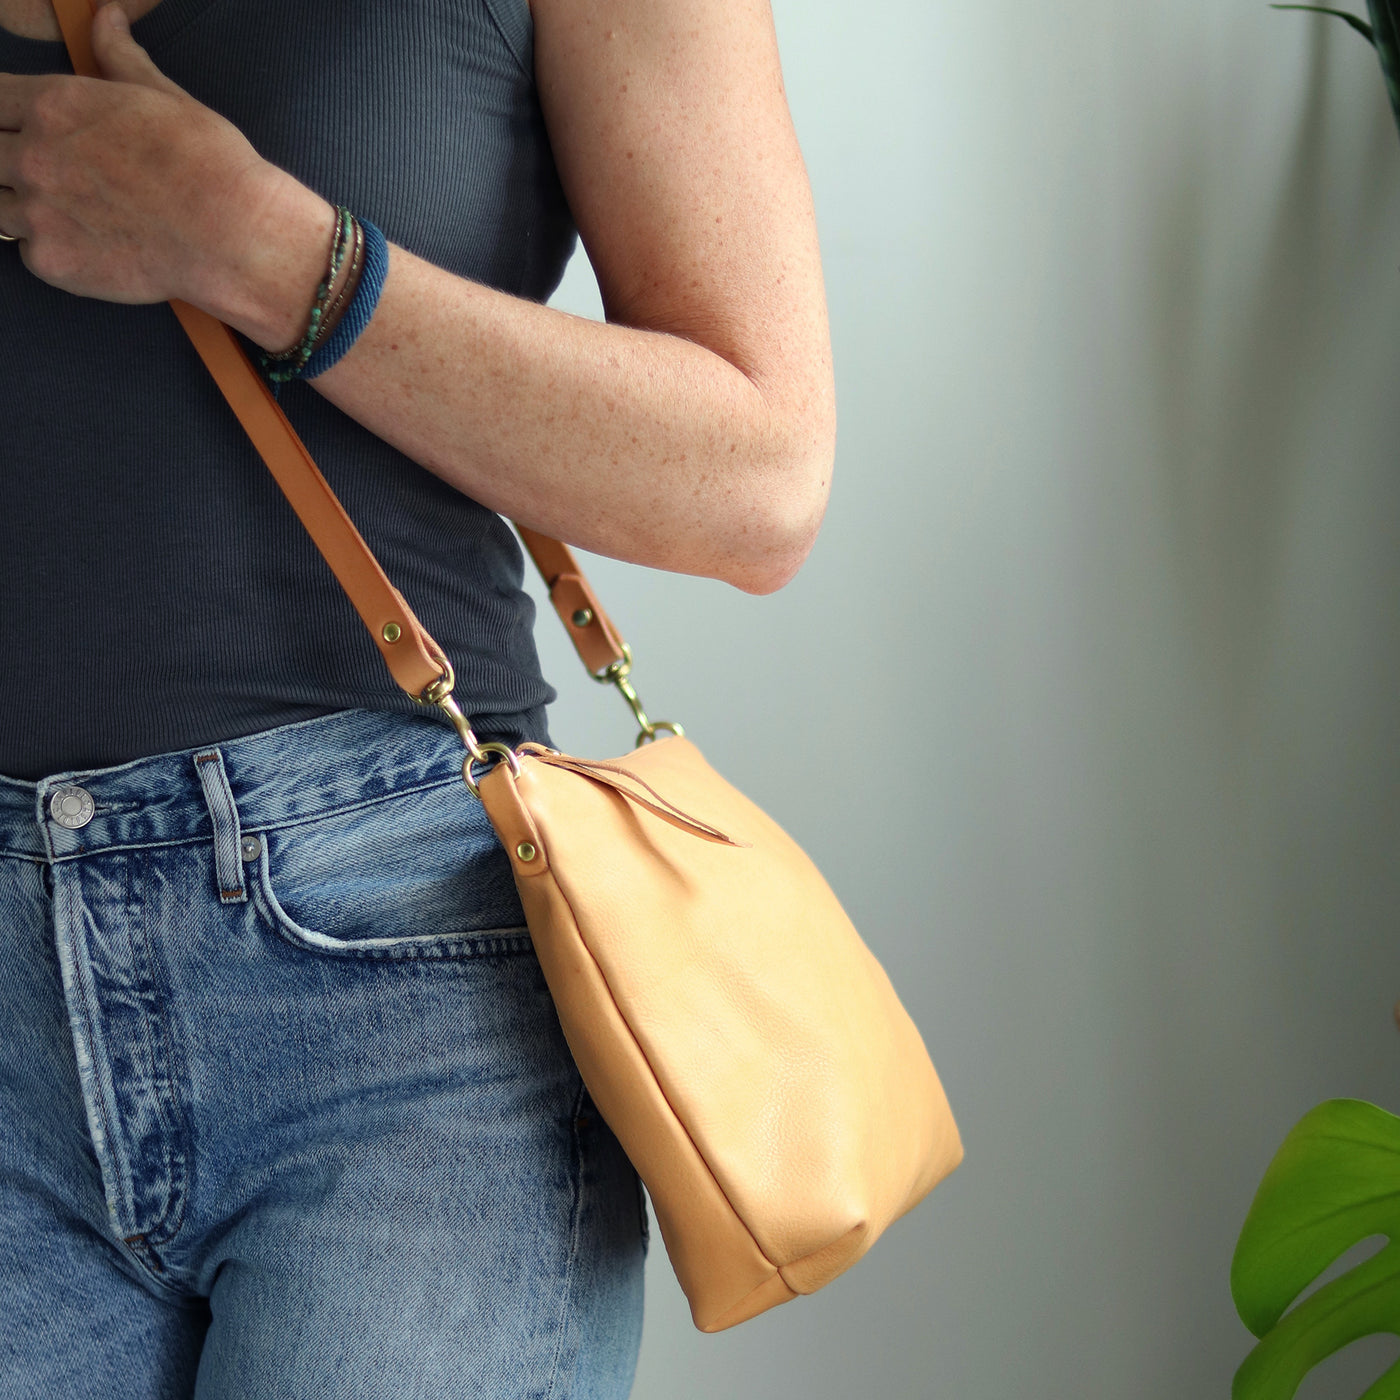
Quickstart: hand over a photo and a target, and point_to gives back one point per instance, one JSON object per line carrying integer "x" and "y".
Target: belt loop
{"x": 228, "y": 860}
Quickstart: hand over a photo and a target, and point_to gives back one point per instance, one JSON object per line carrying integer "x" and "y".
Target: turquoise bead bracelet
{"x": 277, "y": 366}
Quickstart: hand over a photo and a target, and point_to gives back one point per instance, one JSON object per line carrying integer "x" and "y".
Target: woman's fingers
{"x": 125, "y": 187}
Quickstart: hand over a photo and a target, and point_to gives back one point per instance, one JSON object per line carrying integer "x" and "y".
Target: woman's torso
{"x": 157, "y": 590}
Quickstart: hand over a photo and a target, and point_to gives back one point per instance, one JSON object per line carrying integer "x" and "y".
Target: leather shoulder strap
{"x": 590, "y": 629}
{"x": 414, "y": 659}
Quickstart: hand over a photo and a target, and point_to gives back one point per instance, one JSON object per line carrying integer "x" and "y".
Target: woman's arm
{"x": 695, "y": 431}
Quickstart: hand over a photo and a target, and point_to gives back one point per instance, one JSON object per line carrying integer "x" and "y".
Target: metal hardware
{"x": 460, "y": 723}
{"x": 505, "y": 751}
{"x": 649, "y": 734}
{"x": 392, "y": 631}
{"x": 616, "y": 668}
{"x": 441, "y": 689}
{"x": 250, "y": 848}
{"x": 525, "y": 851}
{"x": 583, "y": 617}
{"x": 72, "y": 807}
{"x": 439, "y": 693}
{"x": 616, "y": 674}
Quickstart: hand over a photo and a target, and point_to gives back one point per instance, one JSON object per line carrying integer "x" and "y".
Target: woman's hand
{"x": 126, "y": 189}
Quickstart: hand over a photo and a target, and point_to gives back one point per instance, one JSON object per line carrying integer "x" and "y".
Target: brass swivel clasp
{"x": 617, "y": 674}
{"x": 439, "y": 693}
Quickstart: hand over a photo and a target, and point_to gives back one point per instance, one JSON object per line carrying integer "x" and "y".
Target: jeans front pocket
{"x": 417, "y": 875}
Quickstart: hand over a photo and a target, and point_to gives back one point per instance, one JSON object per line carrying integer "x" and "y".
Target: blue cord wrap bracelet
{"x": 357, "y": 315}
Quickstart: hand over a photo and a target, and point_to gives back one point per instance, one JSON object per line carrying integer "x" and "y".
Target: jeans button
{"x": 72, "y": 807}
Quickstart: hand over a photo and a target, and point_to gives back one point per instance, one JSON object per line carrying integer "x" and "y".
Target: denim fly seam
{"x": 127, "y": 1059}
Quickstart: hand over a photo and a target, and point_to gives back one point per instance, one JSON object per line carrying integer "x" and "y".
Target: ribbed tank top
{"x": 156, "y": 590}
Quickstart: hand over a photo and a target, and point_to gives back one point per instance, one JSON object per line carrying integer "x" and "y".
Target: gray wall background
{"x": 1086, "y": 700}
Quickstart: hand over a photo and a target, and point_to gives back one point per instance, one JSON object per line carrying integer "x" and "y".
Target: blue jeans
{"x": 285, "y": 1110}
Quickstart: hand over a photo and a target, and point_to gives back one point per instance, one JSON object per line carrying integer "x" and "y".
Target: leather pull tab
{"x": 627, "y": 784}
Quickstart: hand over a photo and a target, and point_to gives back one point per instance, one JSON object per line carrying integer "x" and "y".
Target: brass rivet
{"x": 392, "y": 631}
{"x": 583, "y": 617}
{"x": 525, "y": 851}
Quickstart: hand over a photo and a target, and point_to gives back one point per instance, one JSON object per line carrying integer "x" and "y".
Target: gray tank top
{"x": 156, "y": 590}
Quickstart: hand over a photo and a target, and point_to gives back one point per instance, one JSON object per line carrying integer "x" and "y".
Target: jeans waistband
{"x": 280, "y": 776}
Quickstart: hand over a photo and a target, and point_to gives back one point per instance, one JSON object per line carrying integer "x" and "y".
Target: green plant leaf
{"x": 1383, "y": 32}
{"x": 1356, "y": 22}
{"x": 1334, "y": 1182}
{"x": 1385, "y": 24}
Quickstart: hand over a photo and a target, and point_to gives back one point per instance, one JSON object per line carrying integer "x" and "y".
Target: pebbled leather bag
{"x": 735, "y": 1032}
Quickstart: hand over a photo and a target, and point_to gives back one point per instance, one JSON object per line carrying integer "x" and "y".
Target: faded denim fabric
{"x": 285, "y": 1110}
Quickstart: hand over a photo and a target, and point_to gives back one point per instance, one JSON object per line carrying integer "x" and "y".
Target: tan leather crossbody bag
{"x": 736, "y": 1034}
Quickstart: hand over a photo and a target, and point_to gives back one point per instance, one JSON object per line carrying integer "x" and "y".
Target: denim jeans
{"x": 285, "y": 1110}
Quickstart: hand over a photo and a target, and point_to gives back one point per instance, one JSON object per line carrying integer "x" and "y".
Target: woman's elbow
{"x": 788, "y": 514}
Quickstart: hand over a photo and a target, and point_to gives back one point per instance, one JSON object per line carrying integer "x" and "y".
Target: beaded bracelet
{"x": 300, "y": 353}
{"x": 359, "y": 308}
{"x": 347, "y": 292}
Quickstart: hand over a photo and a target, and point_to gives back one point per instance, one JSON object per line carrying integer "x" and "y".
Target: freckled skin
{"x": 695, "y": 431}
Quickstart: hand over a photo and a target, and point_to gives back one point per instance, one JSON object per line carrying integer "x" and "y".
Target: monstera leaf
{"x": 1334, "y": 1183}
{"x": 1383, "y": 32}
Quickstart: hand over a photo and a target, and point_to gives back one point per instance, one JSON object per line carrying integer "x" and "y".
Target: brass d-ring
{"x": 648, "y": 735}
{"x": 505, "y": 751}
